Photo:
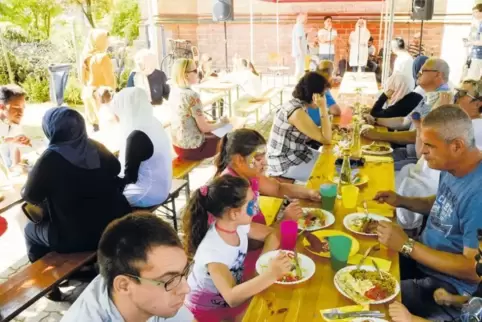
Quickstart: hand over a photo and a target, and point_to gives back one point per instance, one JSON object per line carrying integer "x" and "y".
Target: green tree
{"x": 33, "y": 16}
{"x": 93, "y": 10}
{"x": 126, "y": 18}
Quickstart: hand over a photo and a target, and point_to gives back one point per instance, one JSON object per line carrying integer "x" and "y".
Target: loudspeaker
{"x": 422, "y": 9}
{"x": 223, "y": 10}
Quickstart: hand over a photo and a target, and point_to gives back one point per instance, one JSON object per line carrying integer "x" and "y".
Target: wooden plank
{"x": 181, "y": 168}
{"x": 33, "y": 282}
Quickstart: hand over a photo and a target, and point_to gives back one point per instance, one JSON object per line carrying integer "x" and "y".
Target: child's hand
{"x": 399, "y": 313}
{"x": 442, "y": 297}
{"x": 279, "y": 266}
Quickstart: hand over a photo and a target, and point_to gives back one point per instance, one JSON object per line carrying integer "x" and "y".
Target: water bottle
{"x": 472, "y": 311}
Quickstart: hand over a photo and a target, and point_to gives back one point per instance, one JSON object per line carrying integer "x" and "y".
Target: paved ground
{"x": 12, "y": 247}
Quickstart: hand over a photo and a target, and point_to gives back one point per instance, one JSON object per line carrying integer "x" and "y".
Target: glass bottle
{"x": 356, "y": 141}
{"x": 345, "y": 172}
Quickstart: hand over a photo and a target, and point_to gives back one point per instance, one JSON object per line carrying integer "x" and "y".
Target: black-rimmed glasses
{"x": 170, "y": 284}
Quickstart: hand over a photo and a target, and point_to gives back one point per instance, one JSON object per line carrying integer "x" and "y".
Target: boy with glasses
{"x": 143, "y": 271}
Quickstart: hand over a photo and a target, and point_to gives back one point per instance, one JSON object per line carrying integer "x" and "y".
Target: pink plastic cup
{"x": 289, "y": 232}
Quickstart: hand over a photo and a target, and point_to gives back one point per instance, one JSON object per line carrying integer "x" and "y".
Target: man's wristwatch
{"x": 407, "y": 248}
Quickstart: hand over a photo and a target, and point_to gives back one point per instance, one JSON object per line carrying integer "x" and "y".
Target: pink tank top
{"x": 254, "y": 183}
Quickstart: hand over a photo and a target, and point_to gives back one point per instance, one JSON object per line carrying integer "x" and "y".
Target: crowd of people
{"x": 148, "y": 274}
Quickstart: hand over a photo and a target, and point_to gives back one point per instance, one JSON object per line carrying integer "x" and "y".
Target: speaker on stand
{"x": 223, "y": 10}
{"x": 422, "y": 10}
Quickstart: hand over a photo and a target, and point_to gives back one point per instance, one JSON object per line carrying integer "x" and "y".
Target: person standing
{"x": 326, "y": 40}
{"x": 475, "y": 69}
{"x": 97, "y": 71}
{"x": 372, "y": 56}
{"x": 359, "y": 45}
{"x": 404, "y": 61}
{"x": 299, "y": 45}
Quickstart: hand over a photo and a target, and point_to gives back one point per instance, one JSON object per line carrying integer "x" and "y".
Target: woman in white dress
{"x": 359, "y": 46}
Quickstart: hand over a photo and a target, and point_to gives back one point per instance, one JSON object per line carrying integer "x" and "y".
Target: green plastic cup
{"x": 328, "y": 194}
{"x": 340, "y": 247}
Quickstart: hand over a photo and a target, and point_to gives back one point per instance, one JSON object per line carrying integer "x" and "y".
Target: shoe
{"x": 54, "y": 295}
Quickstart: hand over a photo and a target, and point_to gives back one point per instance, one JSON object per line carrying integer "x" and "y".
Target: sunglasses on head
{"x": 462, "y": 92}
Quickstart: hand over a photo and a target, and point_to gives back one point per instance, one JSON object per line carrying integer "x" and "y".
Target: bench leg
{"x": 188, "y": 188}
{"x": 174, "y": 214}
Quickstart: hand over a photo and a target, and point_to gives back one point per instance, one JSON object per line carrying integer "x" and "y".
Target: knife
{"x": 367, "y": 314}
{"x": 297, "y": 265}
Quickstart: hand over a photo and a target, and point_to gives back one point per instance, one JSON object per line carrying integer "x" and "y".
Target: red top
{"x": 3, "y": 225}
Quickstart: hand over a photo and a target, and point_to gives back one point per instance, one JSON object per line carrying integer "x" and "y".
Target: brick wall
{"x": 209, "y": 37}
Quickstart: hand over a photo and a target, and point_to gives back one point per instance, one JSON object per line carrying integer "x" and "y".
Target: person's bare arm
{"x": 305, "y": 125}
{"x": 394, "y": 123}
{"x": 335, "y": 110}
{"x": 422, "y": 205}
{"x": 17, "y": 157}
{"x": 273, "y": 188}
{"x": 269, "y": 235}
{"x": 402, "y": 137}
{"x": 201, "y": 121}
{"x": 457, "y": 265}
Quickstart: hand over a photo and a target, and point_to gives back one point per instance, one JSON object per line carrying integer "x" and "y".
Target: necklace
{"x": 225, "y": 230}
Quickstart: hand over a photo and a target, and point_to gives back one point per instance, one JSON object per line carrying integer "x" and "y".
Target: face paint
{"x": 251, "y": 160}
{"x": 251, "y": 209}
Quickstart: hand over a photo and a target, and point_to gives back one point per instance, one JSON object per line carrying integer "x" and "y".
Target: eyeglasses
{"x": 462, "y": 92}
{"x": 420, "y": 73}
{"x": 192, "y": 71}
{"x": 169, "y": 285}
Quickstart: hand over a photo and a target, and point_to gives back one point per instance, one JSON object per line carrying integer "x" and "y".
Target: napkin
{"x": 377, "y": 211}
{"x": 383, "y": 264}
{"x": 345, "y": 309}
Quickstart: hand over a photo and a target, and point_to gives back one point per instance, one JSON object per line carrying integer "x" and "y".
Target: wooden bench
{"x": 248, "y": 106}
{"x": 181, "y": 169}
{"x": 36, "y": 280}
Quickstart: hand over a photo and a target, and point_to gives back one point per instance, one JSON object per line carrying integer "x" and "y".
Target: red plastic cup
{"x": 346, "y": 116}
{"x": 289, "y": 233}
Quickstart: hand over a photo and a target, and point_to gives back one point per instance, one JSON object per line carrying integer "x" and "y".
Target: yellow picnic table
{"x": 304, "y": 301}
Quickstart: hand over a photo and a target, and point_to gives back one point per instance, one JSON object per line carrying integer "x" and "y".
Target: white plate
{"x": 348, "y": 219}
{"x": 365, "y": 147}
{"x": 329, "y": 219}
{"x": 368, "y": 301}
{"x": 307, "y": 265}
{"x": 368, "y": 319}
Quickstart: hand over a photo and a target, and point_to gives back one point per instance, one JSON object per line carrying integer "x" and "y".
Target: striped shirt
{"x": 413, "y": 49}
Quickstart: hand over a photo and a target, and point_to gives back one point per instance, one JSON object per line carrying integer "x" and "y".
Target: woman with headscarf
{"x": 145, "y": 152}
{"x": 97, "y": 71}
{"x": 75, "y": 183}
{"x": 397, "y": 99}
{"x": 148, "y": 77}
{"x": 359, "y": 46}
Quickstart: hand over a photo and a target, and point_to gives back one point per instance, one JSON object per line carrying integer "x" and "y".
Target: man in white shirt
{"x": 143, "y": 270}
{"x": 404, "y": 61}
{"x": 299, "y": 45}
{"x": 326, "y": 40}
{"x": 12, "y": 105}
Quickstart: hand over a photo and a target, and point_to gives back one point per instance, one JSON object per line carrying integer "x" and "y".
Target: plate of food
{"x": 377, "y": 149}
{"x": 307, "y": 267}
{"x": 366, "y": 285}
{"x": 315, "y": 219}
{"x": 369, "y": 320}
{"x": 357, "y": 179}
{"x": 362, "y": 224}
{"x": 321, "y": 247}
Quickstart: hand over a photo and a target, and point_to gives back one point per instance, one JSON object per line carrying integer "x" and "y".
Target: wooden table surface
{"x": 303, "y": 302}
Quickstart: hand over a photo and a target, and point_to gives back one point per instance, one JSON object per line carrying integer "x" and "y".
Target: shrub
{"x": 73, "y": 92}
{"x": 37, "y": 88}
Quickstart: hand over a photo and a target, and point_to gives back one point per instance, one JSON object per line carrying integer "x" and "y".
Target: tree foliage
{"x": 93, "y": 10}
{"x": 32, "y": 16}
{"x": 126, "y": 18}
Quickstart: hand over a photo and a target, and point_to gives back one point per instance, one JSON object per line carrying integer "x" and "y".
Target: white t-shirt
{"x": 94, "y": 304}
{"x": 403, "y": 64}
{"x": 249, "y": 82}
{"x": 213, "y": 249}
{"x": 327, "y": 48}
{"x": 298, "y": 31}
{"x": 6, "y": 149}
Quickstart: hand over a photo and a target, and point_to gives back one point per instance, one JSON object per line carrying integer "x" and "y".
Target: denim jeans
{"x": 402, "y": 157}
{"x": 37, "y": 240}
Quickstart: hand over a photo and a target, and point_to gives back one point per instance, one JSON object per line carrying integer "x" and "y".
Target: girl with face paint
{"x": 243, "y": 153}
{"x": 219, "y": 250}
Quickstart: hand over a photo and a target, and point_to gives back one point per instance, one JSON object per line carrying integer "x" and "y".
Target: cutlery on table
{"x": 347, "y": 315}
{"x": 378, "y": 269}
{"x": 297, "y": 265}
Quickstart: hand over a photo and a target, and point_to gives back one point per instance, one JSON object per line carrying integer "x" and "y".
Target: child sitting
{"x": 219, "y": 250}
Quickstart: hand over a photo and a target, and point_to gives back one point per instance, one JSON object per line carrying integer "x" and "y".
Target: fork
{"x": 378, "y": 269}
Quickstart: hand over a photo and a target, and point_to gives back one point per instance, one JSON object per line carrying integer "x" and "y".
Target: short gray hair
{"x": 451, "y": 122}
{"x": 441, "y": 66}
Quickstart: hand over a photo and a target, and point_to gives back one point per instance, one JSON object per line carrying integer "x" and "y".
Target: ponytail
{"x": 223, "y": 193}
{"x": 195, "y": 223}
{"x": 222, "y": 161}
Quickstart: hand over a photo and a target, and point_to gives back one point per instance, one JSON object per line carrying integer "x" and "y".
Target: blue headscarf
{"x": 65, "y": 129}
{"x": 417, "y": 66}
